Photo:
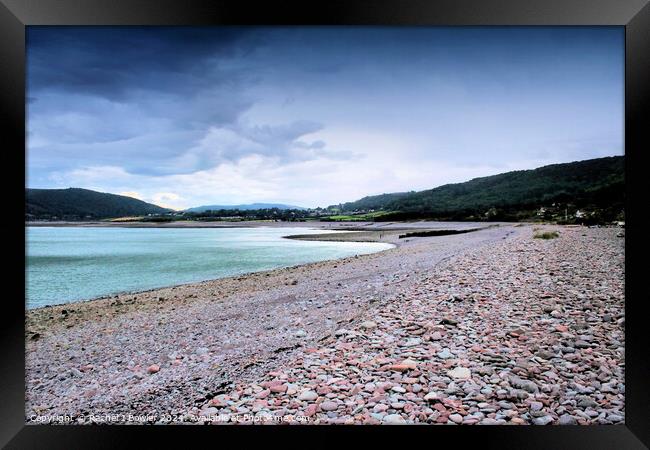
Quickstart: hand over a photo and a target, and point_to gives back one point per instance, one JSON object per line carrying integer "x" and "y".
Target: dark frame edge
{"x": 637, "y": 110}
{"x": 13, "y": 431}
{"x": 331, "y": 12}
{"x": 12, "y": 123}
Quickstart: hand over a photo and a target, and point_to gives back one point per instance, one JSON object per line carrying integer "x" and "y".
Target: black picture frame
{"x": 634, "y": 15}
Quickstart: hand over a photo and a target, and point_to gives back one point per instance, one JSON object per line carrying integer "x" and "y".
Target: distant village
{"x": 553, "y": 213}
{"x": 566, "y": 213}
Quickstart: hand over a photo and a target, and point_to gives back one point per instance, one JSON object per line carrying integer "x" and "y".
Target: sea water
{"x": 66, "y": 264}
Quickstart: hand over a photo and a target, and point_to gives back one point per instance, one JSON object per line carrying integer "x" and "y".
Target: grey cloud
{"x": 280, "y": 144}
{"x": 280, "y": 135}
{"x": 312, "y": 145}
{"x": 112, "y": 62}
{"x": 159, "y": 101}
{"x": 137, "y": 98}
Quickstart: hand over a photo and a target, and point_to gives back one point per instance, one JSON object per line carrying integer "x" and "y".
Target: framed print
{"x": 389, "y": 218}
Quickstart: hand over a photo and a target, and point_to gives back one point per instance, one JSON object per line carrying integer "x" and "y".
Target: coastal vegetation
{"x": 83, "y": 204}
{"x": 246, "y": 207}
{"x": 592, "y": 190}
{"x": 234, "y": 215}
{"x": 583, "y": 192}
{"x": 365, "y": 217}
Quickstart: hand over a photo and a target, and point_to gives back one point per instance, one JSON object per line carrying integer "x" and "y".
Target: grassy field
{"x": 125, "y": 219}
{"x": 368, "y": 217}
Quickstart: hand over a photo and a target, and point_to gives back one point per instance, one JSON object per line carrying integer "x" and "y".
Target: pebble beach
{"x": 488, "y": 327}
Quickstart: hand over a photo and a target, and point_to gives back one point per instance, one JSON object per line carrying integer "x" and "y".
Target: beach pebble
{"x": 544, "y": 420}
{"x": 280, "y": 388}
{"x": 329, "y": 406}
{"x": 393, "y": 419}
{"x": 308, "y": 396}
{"x": 567, "y": 419}
{"x": 456, "y": 418}
{"x": 460, "y": 373}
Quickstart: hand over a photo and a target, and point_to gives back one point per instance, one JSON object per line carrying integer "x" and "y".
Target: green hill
{"x": 596, "y": 184}
{"x": 83, "y": 204}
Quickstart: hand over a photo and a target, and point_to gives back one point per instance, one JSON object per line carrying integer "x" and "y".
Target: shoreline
{"x": 329, "y": 291}
{"x": 137, "y": 292}
{"x": 386, "y": 236}
{"x": 353, "y": 233}
{"x": 208, "y": 347}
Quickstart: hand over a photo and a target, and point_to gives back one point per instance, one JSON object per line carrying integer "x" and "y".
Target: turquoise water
{"x": 66, "y": 264}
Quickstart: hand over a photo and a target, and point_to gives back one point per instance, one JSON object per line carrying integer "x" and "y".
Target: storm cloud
{"x": 313, "y": 115}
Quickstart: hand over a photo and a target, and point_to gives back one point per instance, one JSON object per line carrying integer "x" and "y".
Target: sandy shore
{"x": 370, "y": 339}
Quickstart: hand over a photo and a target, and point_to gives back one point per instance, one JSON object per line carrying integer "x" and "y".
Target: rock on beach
{"x": 469, "y": 329}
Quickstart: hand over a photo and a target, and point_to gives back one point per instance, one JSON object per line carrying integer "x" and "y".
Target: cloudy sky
{"x": 313, "y": 116}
